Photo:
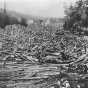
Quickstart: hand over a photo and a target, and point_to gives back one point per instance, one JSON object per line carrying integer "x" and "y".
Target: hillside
{"x": 30, "y": 17}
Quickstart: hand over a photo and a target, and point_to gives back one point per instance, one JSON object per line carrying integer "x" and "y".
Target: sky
{"x": 45, "y": 8}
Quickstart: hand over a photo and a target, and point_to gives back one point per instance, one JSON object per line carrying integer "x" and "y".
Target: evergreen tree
{"x": 77, "y": 16}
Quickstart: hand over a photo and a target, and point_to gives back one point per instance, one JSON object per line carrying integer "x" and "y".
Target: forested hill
{"x": 11, "y": 17}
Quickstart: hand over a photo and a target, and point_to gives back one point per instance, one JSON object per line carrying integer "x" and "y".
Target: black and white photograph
{"x": 43, "y": 43}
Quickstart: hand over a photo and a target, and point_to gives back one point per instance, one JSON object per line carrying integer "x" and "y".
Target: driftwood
{"x": 81, "y": 58}
{"x": 22, "y": 58}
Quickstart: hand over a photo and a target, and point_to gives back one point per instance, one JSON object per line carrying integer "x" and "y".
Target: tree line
{"x": 5, "y": 20}
{"x": 77, "y": 17}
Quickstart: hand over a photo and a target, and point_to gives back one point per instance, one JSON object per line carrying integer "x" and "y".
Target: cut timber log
{"x": 81, "y": 58}
{"x": 29, "y": 79}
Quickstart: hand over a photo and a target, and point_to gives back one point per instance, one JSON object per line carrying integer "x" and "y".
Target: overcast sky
{"x": 51, "y": 8}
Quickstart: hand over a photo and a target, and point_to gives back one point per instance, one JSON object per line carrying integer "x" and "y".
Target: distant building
{"x": 30, "y": 22}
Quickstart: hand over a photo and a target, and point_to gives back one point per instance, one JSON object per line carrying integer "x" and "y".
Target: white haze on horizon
{"x": 46, "y": 8}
